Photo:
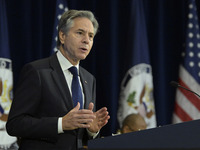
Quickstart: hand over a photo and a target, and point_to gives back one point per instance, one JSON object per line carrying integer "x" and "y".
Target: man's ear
{"x": 61, "y": 37}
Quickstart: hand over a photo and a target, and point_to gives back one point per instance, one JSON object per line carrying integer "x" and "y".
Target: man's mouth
{"x": 83, "y": 49}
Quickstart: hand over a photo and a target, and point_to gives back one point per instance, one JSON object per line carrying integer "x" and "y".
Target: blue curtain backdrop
{"x": 31, "y": 22}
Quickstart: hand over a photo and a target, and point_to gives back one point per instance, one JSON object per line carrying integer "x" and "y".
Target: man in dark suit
{"x": 42, "y": 113}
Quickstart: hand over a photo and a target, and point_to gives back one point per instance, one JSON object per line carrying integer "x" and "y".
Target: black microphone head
{"x": 173, "y": 83}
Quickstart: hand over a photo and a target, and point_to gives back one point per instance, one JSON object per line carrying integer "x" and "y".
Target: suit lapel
{"x": 60, "y": 81}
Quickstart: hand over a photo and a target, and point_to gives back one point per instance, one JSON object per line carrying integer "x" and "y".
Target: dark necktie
{"x": 76, "y": 88}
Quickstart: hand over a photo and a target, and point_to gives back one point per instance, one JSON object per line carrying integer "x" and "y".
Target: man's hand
{"x": 78, "y": 118}
{"x": 101, "y": 119}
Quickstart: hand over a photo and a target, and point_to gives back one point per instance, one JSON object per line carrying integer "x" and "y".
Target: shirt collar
{"x": 64, "y": 62}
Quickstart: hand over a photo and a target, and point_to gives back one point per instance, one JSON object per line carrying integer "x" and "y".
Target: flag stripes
{"x": 181, "y": 113}
{"x": 190, "y": 96}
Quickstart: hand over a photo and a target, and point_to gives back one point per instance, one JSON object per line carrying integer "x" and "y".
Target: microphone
{"x": 175, "y": 84}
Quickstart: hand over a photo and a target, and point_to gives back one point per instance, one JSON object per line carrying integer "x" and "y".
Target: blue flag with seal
{"x": 136, "y": 95}
{"x": 6, "y": 79}
{"x": 61, "y": 7}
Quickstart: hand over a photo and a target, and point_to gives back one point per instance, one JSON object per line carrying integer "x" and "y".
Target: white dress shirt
{"x": 65, "y": 65}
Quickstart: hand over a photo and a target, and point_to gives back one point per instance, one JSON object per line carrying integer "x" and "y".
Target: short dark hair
{"x": 67, "y": 18}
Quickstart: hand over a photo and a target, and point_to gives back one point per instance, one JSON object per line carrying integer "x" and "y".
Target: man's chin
{"x": 82, "y": 57}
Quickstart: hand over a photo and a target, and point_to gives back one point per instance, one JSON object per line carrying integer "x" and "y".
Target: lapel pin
{"x": 86, "y": 82}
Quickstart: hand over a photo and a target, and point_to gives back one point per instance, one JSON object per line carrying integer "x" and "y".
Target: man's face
{"x": 79, "y": 40}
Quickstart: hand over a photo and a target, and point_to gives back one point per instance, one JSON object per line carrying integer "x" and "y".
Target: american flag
{"x": 187, "y": 104}
{"x": 61, "y": 7}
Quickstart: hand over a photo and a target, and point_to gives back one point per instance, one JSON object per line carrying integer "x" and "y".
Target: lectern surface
{"x": 182, "y": 136}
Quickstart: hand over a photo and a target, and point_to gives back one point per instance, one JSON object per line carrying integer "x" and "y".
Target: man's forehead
{"x": 83, "y": 24}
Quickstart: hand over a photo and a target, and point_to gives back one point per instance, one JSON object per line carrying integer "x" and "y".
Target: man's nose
{"x": 86, "y": 39}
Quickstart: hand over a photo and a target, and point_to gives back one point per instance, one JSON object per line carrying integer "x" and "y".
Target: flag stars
{"x": 198, "y": 45}
{"x": 198, "y": 55}
{"x": 66, "y": 8}
{"x": 60, "y": 6}
{"x": 190, "y": 25}
{"x": 191, "y": 54}
{"x": 198, "y": 36}
{"x": 59, "y": 16}
{"x": 55, "y": 49}
{"x": 190, "y": 16}
{"x": 191, "y": 64}
{"x": 190, "y": 35}
{"x": 191, "y": 44}
{"x": 190, "y": 6}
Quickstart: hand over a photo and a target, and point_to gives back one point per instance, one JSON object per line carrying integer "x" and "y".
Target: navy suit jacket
{"x": 41, "y": 97}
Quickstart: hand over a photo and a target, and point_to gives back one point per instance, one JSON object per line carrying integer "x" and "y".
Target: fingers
{"x": 81, "y": 125}
{"x": 101, "y": 113}
{"x": 103, "y": 117}
{"x": 83, "y": 122}
{"x": 78, "y": 118}
{"x": 83, "y": 111}
{"x": 85, "y": 118}
{"x": 104, "y": 109}
{"x": 104, "y": 120}
{"x": 91, "y": 106}
{"x": 77, "y": 107}
{"x": 82, "y": 116}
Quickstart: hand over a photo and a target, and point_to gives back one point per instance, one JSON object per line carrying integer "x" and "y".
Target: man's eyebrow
{"x": 81, "y": 30}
